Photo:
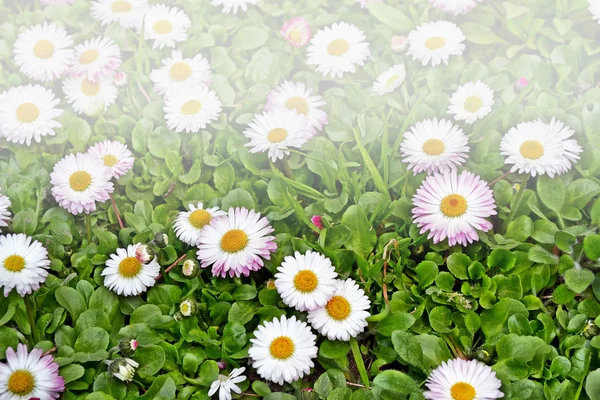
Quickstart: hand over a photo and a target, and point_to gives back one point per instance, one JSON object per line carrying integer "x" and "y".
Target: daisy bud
{"x": 188, "y": 308}
{"x": 483, "y": 355}
{"x": 317, "y": 220}
{"x": 222, "y": 364}
{"x": 120, "y": 79}
{"x": 522, "y": 82}
{"x": 190, "y": 268}
{"x": 161, "y": 240}
{"x": 308, "y": 394}
{"x": 178, "y": 316}
{"x": 144, "y": 253}
{"x": 271, "y": 284}
{"x": 122, "y": 368}
{"x": 399, "y": 43}
{"x": 127, "y": 347}
{"x": 590, "y": 330}
{"x": 296, "y": 31}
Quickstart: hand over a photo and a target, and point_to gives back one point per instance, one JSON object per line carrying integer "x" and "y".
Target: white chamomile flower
{"x": 435, "y": 42}
{"x": 434, "y": 145}
{"x": 390, "y": 80}
{"x": 594, "y": 7}
{"x": 122, "y": 368}
{"x": 178, "y": 73}
{"x": 27, "y": 113}
{"x": 455, "y": 7}
{"x": 43, "y": 52}
{"x": 4, "y": 213}
{"x": 282, "y": 350}
{"x": 115, "y": 155}
{"x": 471, "y": 101}
{"x": 276, "y": 131}
{"x": 226, "y": 384}
{"x": 306, "y": 281}
{"x": 189, "y": 224}
{"x": 126, "y": 275}
{"x": 90, "y": 98}
{"x": 345, "y": 314}
{"x": 165, "y": 25}
{"x": 538, "y": 148}
{"x": 23, "y": 264}
{"x": 338, "y": 49}
{"x": 187, "y": 308}
{"x": 95, "y": 59}
{"x": 463, "y": 380}
{"x": 191, "y": 109}
{"x": 296, "y": 96}
{"x": 233, "y": 5}
{"x": 128, "y": 13}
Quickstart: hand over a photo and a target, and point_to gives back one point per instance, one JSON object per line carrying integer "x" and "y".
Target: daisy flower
{"x": 115, "y": 156}
{"x": 233, "y": 5}
{"x": 4, "y": 213}
{"x": 178, "y": 73}
{"x": 471, "y": 101}
{"x": 122, "y": 368}
{"x": 306, "y": 281}
{"x": 296, "y": 96}
{"x": 345, "y": 314}
{"x": 276, "y": 131}
{"x": 28, "y": 112}
{"x": 95, "y": 59}
{"x": 165, "y": 25}
{"x": 398, "y": 43}
{"x": 338, "y": 49}
{"x": 435, "y": 42}
{"x": 226, "y": 384}
{"x": 434, "y": 146}
{"x": 126, "y": 275}
{"x": 89, "y": 97}
{"x": 43, "y": 52}
{"x": 296, "y": 31}
{"x": 453, "y": 206}
{"x": 191, "y": 109}
{"x": 79, "y": 181}
{"x": 128, "y": 13}
{"x": 189, "y": 224}
{"x": 282, "y": 350}
{"x": 29, "y": 375}
{"x": 236, "y": 244}
{"x": 120, "y": 79}
{"x": 454, "y": 7}
{"x": 595, "y": 9}
{"x": 390, "y": 80}
{"x": 23, "y": 264}
{"x": 538, "y": 148}
{"x": 464, "y": 380}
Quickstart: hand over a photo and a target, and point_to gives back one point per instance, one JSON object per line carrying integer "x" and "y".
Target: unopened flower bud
{"x": 399, "y": 43}
{"x": 590, "y": 330}
{"x": 271, "y": 284}
{"x": 317, "y": 220}
{"x": 127, "y": 347}
{"x": 190, "y": 268}
{"x": 522, "y": 82}
{"x": 188, "y": 308}
{"x": 308, "y": 394}
{"x": 222, "y": 364}
{"x": 178, "y": 316}
{"x": 144, "y": 253}
{"x": 122, "y": 368}
{"x": 120, "y": 79}
{"x": 161, "y": 240}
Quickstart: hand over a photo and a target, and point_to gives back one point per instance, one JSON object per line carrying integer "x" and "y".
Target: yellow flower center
{"x": 462, "y": 391}
{"x": 277, "y": 135}
{"x": 282, "y": 348}
{"x": 89, "y": 56}
{"x": 435, "y": 42}
{"x": 338, "y": 308}
{"x": 453, "y": 205}
{"x": 473, "y": 104}
{"x": 234, "y": 240}
{"x": 306, "y": 281}
{"x": 90, "y": 89}
{"x": 14, "y": 263}
{"x": 337, "y": 47}
{"x": 162, "y": 27}
{"x": 27, "y": 112}
{"x": 532, "y": 149}
{"x": 130, "y": 267}
{"x": 297, "y": 103}
{"x": 191, "y": 107}
{"x": 433, "y": 147}
{"x": 110, "y": 160}
{"x": 21, "y": 382}
{"x": 295, "y": 35}
{"x": 200, "y": 218}
{"x": 80, "y": 181}
{"x": 180, "y": 71}
{"x": 184, "y": 308}
{"x": 121, "y": 6}
{"x": 43, "y": 49}
{"x": 392, "y": 80}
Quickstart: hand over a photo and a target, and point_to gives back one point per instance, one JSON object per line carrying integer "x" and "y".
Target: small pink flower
{"x": 317, "y": 220}
{"x": 134, "y": 344}
{"x": 296, "y": 31}
{"x": 120, "y": 79}
{"x": 522, "y": 82}
{"x": 399, "y": 43}
{"x": 221, "y": 364}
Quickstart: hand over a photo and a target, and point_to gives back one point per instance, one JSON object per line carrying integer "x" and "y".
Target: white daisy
{"x": 178, "y": 73}
{"x": 165, "y": 25}
{"x": 233, "y": 5}
{"x": 295, "y": 96}
{"x": 115, "y": 155}
{"x": 95, "y": 59}
{"x": 90, "y": 98}
{"x": 338, "y": 49}
{"x": 390, "y": 80}
{"x": 345, "y": 314}
{"x": 27, "y": 376}
{"x": 276, "y": 131}
{"x": 4, "y": 213}
{"x": 463, "y": 380}
{"x": 191, "y": 109}
{"x": 126, "y": 275}
{"x": 43, "y": 52}
{"x": 539, "y": 148}
{"x": 236, "y": 244}
{"x": 23, "y": 264}
{"x": 28, "y": 112}
{"x": 455, "y": 7}
{"x": 594, "y": 7}
{"x": 79, "y": 181}
{"x": 471, "y": 101}
{"x": 282, "y": 350}
{"x": 128, "y": 13}
{"x": 306, "y": 281}
{"x": 189, "y": 224}
{"x": 434, "y": 146}
{"x": 435, "y": 42}
{"x": 226, "y": 384}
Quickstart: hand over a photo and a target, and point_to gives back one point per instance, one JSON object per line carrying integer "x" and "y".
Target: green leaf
{"x": 427, "y": 272}
{"x": 363, "y": 235}
{"x": 592, "y": 385}
{"x": 396, "y": 383}
{"x": 391, "y": 16}
{"x": 519, "y": 229}
{"x": 581, "y": 191}
{"x": 440, "y": 319}
{"x": 552, "y": 192}
{"x": 493, "y": 321}
{"x": 249, "y": 37}
{"x": 92, "y": 340}
{"x": 457, "y": 264}
{"x": 565, "y": 241}
{"x": 163, "y": 388}
{"x": 71, "y": 300}
{"x": 591, "y": 247}
{"x": 502, "y": 259}
{"x": 151, "y": 359}
{"x": 578, "y": 279}
{"x": 71, "y": 372}
{"x": 408, "y": 348}
{"x": 238, "y": 198}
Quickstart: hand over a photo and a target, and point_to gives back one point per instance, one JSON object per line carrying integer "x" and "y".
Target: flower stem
{"x": 492, "y": 183}
{"x": 515, "y": 207}
{"x": 88, "y": 227}
{"x": 170, "y": 267}
{"x": 116, "y": 210}
{"x": 360, "y": 365}
{"x": 30, "y": 310}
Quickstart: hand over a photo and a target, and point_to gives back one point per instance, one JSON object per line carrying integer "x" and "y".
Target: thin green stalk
{"x": 30, "y": 315}
{"x": 360, "y": 364}
{"x": 515, "y": 207}
{"x": 385, "y": 149}
{"x": 88, "y": 227}
{"x": 377, "y": 179}
{"x": 404, "y": 127}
